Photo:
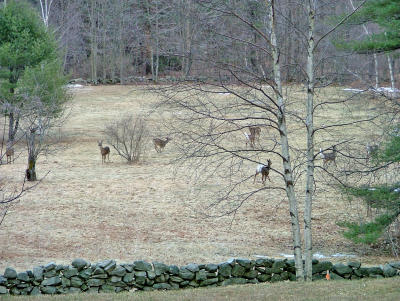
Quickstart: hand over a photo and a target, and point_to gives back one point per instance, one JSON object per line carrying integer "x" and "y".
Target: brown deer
{"x": 10, "y": 154}
{"x": 105, "y": 151}
{"x": 159, "y": 144}
{"x": 264, "y": 171}
{"x": 328, "y": 157}
{"x": 250, "y": 139}
{"x": 255, "y": 131}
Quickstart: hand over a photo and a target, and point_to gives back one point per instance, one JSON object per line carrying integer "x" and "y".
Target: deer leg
{"x": 255, "y": 178}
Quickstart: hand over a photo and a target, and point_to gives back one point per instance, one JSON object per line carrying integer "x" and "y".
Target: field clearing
{"x": 127, "y": 212}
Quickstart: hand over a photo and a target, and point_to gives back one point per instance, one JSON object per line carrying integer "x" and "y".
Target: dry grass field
{"x": 87, "y": 209}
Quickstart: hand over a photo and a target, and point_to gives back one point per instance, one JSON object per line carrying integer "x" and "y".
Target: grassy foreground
{"x": 377, "y": 289}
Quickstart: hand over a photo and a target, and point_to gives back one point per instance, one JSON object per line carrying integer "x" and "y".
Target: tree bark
{"x": 288, "y": 172}
{"x": 310, "y": 142}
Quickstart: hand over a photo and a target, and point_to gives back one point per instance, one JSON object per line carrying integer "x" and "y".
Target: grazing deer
{"x": 255, "y": 131}
{"x": 371, "y": 150}
{"x": 159, "y": 144}
{"x": 105, "y": 151}
{"x": 250, "y": 139}
{"x": 327, "y": 157}
{"x": 264, "y": 171}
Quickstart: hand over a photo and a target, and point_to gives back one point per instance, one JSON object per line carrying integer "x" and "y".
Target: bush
{"x": 128, "y": 137}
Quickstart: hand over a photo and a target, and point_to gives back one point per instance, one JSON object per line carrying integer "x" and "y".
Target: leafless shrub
{"x": 128, "y": 136}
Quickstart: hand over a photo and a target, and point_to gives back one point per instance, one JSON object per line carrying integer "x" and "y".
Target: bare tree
{"x": 128, "y": 137}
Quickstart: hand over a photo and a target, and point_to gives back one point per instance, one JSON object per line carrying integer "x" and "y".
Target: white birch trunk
{"x": 310, "y": 142}
{"x": 392, "y": 80}
{"x": 288, "y": 173}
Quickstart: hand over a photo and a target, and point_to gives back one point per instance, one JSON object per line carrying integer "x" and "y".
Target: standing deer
{"x": 105, "y": 151}
{"x": 327, "y": 157}
{"x": 371, "y": 150}
{"x": 250, "y": 139}
{"x": 159, "y": 144}
{"x": 264, "y": 171}
{"x": 255, "y": 131}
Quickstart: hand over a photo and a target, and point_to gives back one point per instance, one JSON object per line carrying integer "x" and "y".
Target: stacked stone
{"x": 108, "y": 276}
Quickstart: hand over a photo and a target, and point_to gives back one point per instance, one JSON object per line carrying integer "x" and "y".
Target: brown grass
{"x": 129, "y": 212}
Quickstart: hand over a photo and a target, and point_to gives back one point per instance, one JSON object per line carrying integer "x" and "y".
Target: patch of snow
{"x": 371, "y": 189}
{"x": 75, "y": 86}
{"x": 343, "y": 255}
{"x": 320, "y": 256}
{"x": 397, "y": 190}
{"x": 353, "y": 90}
{"x": 387, "y": 90}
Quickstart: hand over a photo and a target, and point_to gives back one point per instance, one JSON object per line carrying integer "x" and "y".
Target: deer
{"x": 327, "y": 157}
{"x": 264, "y": 171}
{"x": 105, "y": 151}
{"x": 371, "y": 150}
{"x": 9, "y": 152}
{"x": 250, "y": 139}
{"x": 255, "y": 131}
{"x": 159, "y": 144}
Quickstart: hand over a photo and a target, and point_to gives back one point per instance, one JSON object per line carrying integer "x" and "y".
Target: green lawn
{"x": 377, "y": 289}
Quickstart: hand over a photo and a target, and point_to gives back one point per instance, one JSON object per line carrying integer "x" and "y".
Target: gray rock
{"x": 376, "y": 276}
{"x": 389, "y": 271}
{"x": 375, "y": 270}
{"x": 176, "y": 279}
{"x": 128, "y": 278}
{"x": 115, "y": 279}
{"x": 279, "y": 264}
{"x": 225, "y": 270}
{"x": 15, "y": 291}
{"x": 361, "y": 272}
{"x": 192, "y": 267}
{"x": 231, "y": 281}
{"x": 23, "y": 276}
{"x": 50, "y": 266}
{"x": 107, "y": 289}
{"x": 98, "y": 271}
{"x": 184, "y": 283}
{"x": 335, "y": 276}
{"x": 80, "y": 264}
{"x": 246, "y": 263}
{"x": 74, "y": 290}
{"x": 264, "y": 277}
{"x": 162, "y": 286}
{"x": 3, "y": 290}
{"x": 160, "y": 268}
{"x": 10, "y": 273}
{"x": 23, "y": 285}
{"x": 70, "y": 272}
{"x": 322, "y": 266}
{"x": 76, "y": 281}
{"x": 141, "y": 280}
{"x": 120, "y": 289}
{"x": 354, "y": 264}
{"x": 161, "y": 278}
{"x": 51, "y": 273}
{"x": 251, "y": 274}
{"x": 100, "y": 276}
{"x": 93, "y": 290}
{"x": 211, "y": 274}
{"x": 395, "y": 264}
{"x": 149, "y": 282}
{"x": 51, "y": 290}
{"x": 38, "y": 273}
{"x": 211, "y": 267}
{"x": 86, "y": 273}
{"x": 151, "y": 275}
{"x": 3, "y": 280}
{"x": 110, "y": 267}
{"x": 174, "y": 285}
{"x": 238, "y": 271}
{"x": 61, "y": 267}
{"x": 51, "y": 281}
{"x": 141, "y": 265}
{"x": 173, "y": 269}
{"x": 201, "y": 275}
{"x": 65, "y": 282}
{"x": 35, "y": 291}
{"x": 276, "y": 278}
{"x": 208, "y": 282}
{"x": 128, "y": 267}
{"x": 342, "y": 269}
{"x": 253, "y": 281}
{"x": 186, "y": 274}
{"x": 194, "y": 283}
{"x": 118, "y": 271}
{"x": 105, "y": 263}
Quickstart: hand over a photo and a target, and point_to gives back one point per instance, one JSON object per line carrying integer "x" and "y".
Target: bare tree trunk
{"x": 374, "y": 55}
{"x": 288, "y": 173}
{"x": 31, "y": 170}
{"x": 310, "y": 142}
{"x": 392, "y": 80}
{"x": 93, "y": 43}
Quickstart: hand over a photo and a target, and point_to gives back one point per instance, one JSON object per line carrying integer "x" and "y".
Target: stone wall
{"x": 108, "y": 276}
